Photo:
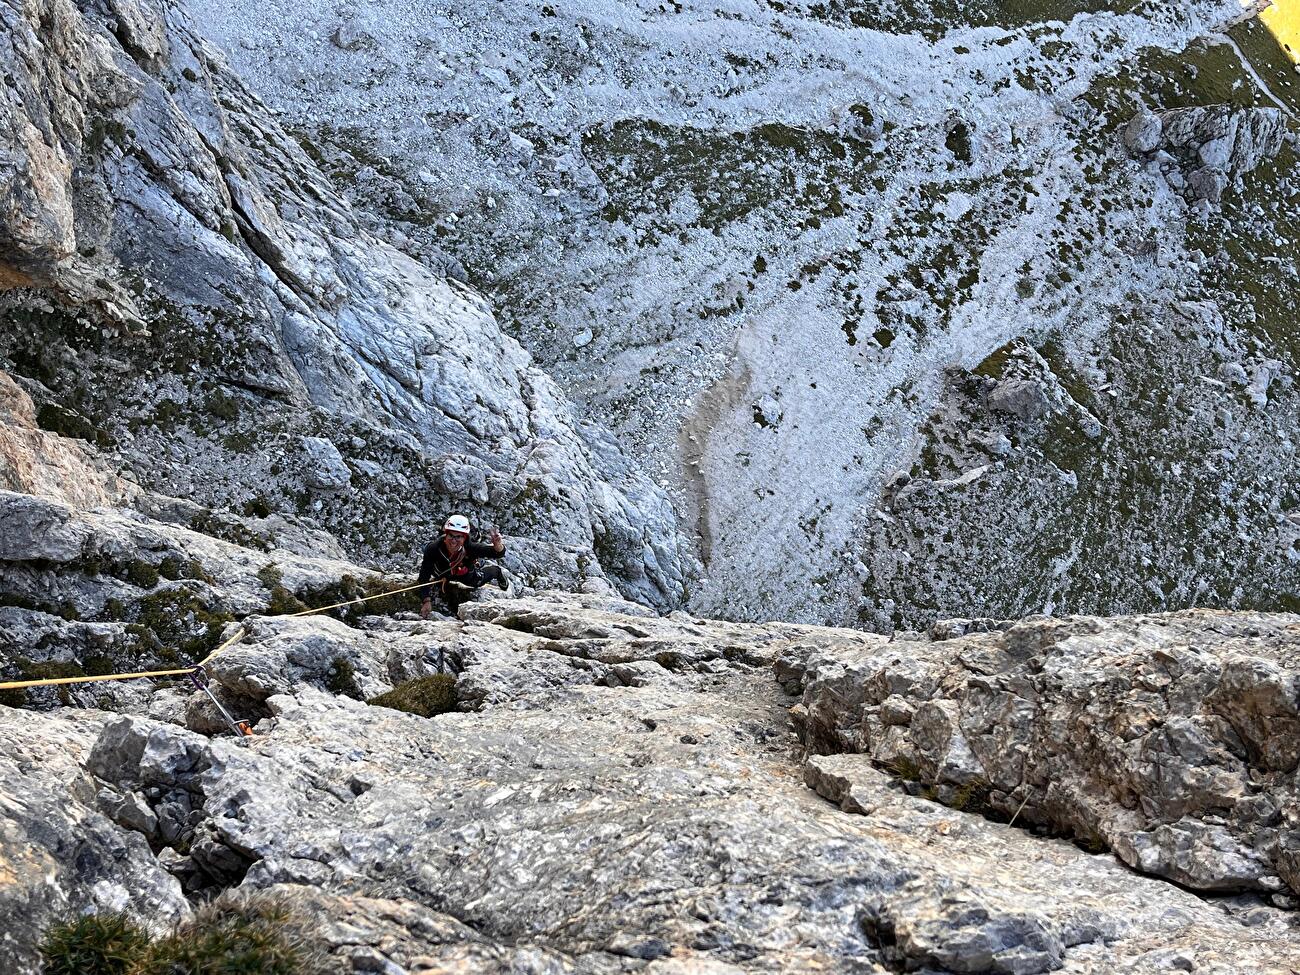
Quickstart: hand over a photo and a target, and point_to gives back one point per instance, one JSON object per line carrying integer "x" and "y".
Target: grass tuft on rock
{"x": 425, "y": 696}
{"x": 97, "y": 944}
{"x": 237, "y": 934}
{"x": 234, "y": 935}
{"x": 142, "y": 574}
{"x": 343, "y": 678}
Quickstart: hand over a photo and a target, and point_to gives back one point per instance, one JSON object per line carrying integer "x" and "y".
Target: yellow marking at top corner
{"x": 1282, "y": 17}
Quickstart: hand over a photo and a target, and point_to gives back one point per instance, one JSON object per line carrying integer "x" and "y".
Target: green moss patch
{"x": 343, "y": 678}
{"x": 68, "y": 423}
{"x": 381, "y": 600}
{"x": 227, "y": 529}
{"x": 180, "y": 623}
{"x": 425, "y": 696}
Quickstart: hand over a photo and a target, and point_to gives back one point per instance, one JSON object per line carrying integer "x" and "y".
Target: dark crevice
{"x": 265, "y": 250}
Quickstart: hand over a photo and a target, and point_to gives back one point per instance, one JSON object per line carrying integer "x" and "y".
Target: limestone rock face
{"x": 1211, "y": 146}
{"x": 622, "y": 792}
{"x": 755, "y": 249}
{"x": 106, "y": 590}
{"x": 181, "y": 284}
{"x": 59, "y": 854}
{"x": 33, "y": 461}
{"x": 1169, "y": 739}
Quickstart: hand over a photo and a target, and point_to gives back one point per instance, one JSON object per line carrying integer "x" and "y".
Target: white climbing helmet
{"x": 458, "y": 524}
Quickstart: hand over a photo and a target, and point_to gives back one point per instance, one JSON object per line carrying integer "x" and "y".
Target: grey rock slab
{"x": 190, "y": 198}
{"x": 59, "y": 854}
{"x": 1022, "y": 398}
{"x": 589, "y": 826}
{"x": 1142, "y": 134}
{"x": 544, "y": 823}
{"x": 370, "y": 934}
{"x": 325, "y": 469}
{"x": 584, "y": 818}
{"x": 1169, "y": 738}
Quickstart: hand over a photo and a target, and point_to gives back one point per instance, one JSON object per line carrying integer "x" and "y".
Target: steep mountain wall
{"x": 786, "y": 250}
{"x": 183, "y": 288}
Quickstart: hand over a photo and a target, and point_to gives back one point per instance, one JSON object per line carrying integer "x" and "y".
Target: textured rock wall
{"x": 1168, "y": 739}
{"x": 33, "y": 461}
{"x": 755, "y": 239}
{"x": 619, "y": 793}
{"x": 185, "y": 286}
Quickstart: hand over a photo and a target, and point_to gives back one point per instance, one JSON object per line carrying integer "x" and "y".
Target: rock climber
{"x": 451, "y": 564}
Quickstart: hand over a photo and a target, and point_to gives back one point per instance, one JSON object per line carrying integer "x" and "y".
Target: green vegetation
{"x": 96, "y": 944}
{"x": 69, "y": 423}
{"x": 104, "y": 130}
{"x": 902, "y": 767}
{"x": 973, "y": 797}
{"x": 173, "y": 568}
{"x": 66, "y": 610}
{"x": 382, "y": 601}
{"x": 228, "y": 529}
{"x": 935, "y": 18}
{"x": 270, "y": 575}
{"x": 425, "y": 696}
{"x": 342, "y": 151}
{"x": 1256, "y": 284}
{"x": 222, "y": 406}
{"x": 142, "y": 574}
{"x": 181, "y": 625}
{"x": 236, "y": 934}
{"x": 994, "y": 365}
{"x": 378, "y": 593}
{"x": 958, "y": 141}
{"x": 257, "y": 507}
{"x": 283, "y": 602}
{"x": 647, "y": 165}
{"x": 48, "y": 670}
{"x": 1161, "y": 507}
{"x": 343, "y": 678}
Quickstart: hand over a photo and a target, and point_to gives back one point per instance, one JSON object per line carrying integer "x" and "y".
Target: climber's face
{"x": 455, "y": 542}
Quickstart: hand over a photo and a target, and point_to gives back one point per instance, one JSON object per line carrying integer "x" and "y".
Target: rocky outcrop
{"x": 622, "y": 794}
{"x": 183, "y": 286}
{"x": 186, "y": 296}
{"x": 102, "y": 590}
{"x": 59, "y": 853}
{"x": 1203, "y": 150}
{"x": 33, "y": 461}
{"x": 1167, "y": 739}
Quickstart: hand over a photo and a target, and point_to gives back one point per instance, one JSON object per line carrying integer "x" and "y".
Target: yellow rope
{"x": 91, "y": 680}
{"x": 239, "y": 635}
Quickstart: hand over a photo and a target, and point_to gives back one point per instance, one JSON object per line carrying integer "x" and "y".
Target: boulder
{"x": 324, "y": 465}
{"x": 1022, "y": 398}
{"x": 1170, "y": 738}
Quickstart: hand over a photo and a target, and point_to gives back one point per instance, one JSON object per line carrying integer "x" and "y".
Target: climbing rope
{"x": 238, "y": 635}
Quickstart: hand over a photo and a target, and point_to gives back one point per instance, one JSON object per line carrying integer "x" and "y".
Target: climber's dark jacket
{"x": 438, "y": 565}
